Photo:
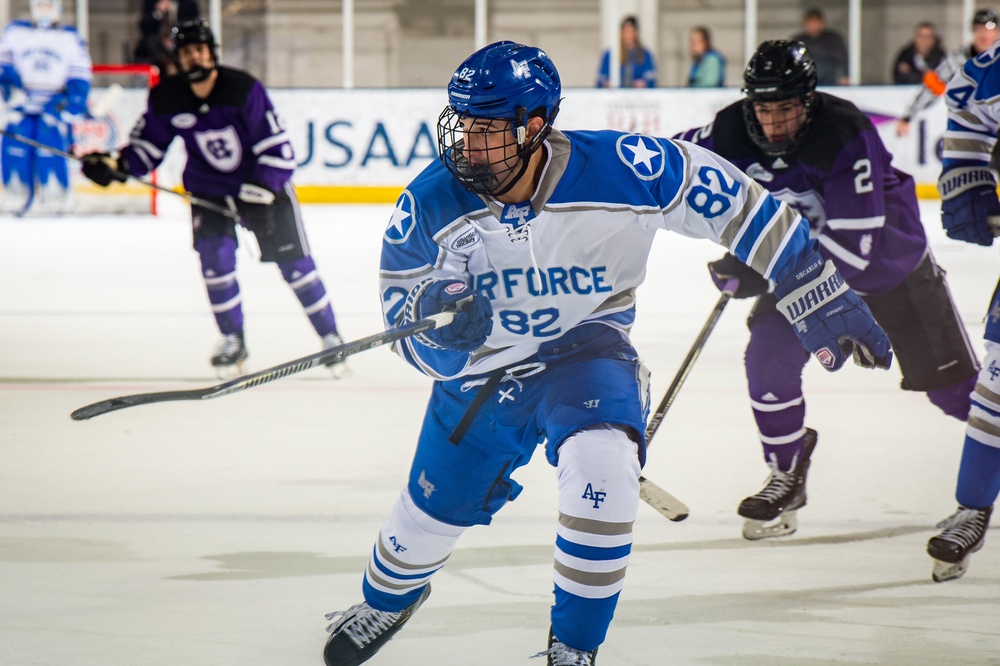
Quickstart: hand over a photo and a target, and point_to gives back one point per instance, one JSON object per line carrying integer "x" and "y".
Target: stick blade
{"x": 665, "y": 503}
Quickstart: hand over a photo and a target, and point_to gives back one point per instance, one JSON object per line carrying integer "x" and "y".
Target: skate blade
{"x": 229, "y": 371}
{"x": 945, "y": 571}
{"x": 783, "y": 525}
{"x": 339, "y": 371}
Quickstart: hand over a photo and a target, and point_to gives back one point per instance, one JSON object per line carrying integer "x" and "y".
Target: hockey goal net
{"x": 117, "y": 100}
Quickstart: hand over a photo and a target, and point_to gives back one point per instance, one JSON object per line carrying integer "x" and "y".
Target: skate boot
{"x": 359, "y": 632}
{"x": 964, "y": 533}
{"x": 771, "y": 512}
{"x": 560, "y": 654}
{"x": 229, "y": 355}
{"x": 338, "y": 368}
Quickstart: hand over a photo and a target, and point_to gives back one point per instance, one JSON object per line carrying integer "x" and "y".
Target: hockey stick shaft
{"x": 204, "y": 203}
{"x": 338, "y": 353}
{"x": 652, "y": 494}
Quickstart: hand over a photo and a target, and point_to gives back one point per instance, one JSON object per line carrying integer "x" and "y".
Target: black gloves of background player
{"x": 750, "y": 283}
{"x": 104, "y": 169}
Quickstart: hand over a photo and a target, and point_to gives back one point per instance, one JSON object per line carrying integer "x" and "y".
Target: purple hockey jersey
{"x": 232, "y": 137}
{"x": 861, "y": 209}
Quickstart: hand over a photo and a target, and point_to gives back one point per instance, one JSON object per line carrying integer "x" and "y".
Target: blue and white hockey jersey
{"x": 973, "y": 111}
{"x": 43, "y": 61}
{"x": 576, "y": 252}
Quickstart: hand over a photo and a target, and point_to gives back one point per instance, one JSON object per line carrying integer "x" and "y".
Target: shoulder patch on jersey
{"x": 402, "y": 221}
{"x": 642, "y": 154}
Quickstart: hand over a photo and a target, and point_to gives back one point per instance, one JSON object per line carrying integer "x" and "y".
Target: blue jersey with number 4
{"x": 576, "y": 251}
{"x": 973, "y": 112}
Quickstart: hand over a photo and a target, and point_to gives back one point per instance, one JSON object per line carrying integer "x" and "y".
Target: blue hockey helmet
{"x": 506, "y": 82}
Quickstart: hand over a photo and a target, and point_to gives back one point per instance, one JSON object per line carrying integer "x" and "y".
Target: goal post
{"x": 118, "y": 98}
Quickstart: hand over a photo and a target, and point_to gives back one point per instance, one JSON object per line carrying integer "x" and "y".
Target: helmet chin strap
{"x": 198, "y": 73}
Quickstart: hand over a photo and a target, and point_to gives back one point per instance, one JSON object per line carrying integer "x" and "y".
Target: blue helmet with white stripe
{"x": 504, "y": 84}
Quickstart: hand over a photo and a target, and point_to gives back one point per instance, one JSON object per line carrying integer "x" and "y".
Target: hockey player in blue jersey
{"x": 970, "y": 212}
{"x": 45, "y": 74}
{"x": 539, "y": 239}
{"x": 821, "y": 155}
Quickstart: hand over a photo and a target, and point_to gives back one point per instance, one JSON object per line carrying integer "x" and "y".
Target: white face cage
{"x": 45, "y": 13}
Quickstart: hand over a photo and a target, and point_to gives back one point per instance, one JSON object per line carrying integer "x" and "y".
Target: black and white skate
{"x": 560, "y": 654}
{"x": 338, "y": 368}
{"x": 772, "y": 511}
{"x": 964, "y": 533}
{"x": 359, "y": 632}
{"x": 229, "y": 356}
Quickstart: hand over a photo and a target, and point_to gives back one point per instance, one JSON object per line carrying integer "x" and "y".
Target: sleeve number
{"x": 712, "y": 198}
{"x": 863, "y": 181}
{"x": 960, "y": 95}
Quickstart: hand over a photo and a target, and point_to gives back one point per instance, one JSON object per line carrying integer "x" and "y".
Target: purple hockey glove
{"x": 968, "y": 202}
{"x": 732, "y": 275}
{"x": 470, "y": 328}
{"x": 830, "y": 319}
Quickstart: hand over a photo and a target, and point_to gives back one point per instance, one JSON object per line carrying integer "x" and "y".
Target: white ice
{"x": 220, "y": 532}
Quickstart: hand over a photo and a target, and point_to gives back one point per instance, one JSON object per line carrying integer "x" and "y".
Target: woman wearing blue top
{"x": 709, "y": 67}
{"x": 638, "y": 69}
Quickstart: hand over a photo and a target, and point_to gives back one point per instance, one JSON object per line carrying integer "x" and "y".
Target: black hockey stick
{"x": 657, "y": 497}
{"x": 210, "y": 205}
{"x": 338, "y": 353}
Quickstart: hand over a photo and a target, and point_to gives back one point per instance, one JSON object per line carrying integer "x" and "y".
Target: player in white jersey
{"x": 970, "y": 211}
{"x": 45, "y": 75}
{"x": 539, "y": 239}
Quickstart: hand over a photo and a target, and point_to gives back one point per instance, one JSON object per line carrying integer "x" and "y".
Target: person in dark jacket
{"x": 923, "y": 54}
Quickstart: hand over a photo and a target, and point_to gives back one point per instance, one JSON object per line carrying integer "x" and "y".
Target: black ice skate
{"x": 560, "y": 654}
{"x": 964, "y": 533}
{"x": 338, "y": 369}
{"x": 229, "y": 355}
{"x": 771, "y": 512}
{"x": 359, "y": 632}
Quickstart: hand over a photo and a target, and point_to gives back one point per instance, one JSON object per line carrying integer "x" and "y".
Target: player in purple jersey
{"x": 822, "y": 155}
{"x": 539, "y": 239}
{"x": 240, "y": 158}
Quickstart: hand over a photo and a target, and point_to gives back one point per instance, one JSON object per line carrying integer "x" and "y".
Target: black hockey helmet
{"x": 986, "y": 17}
{"x": 195, "y": 31}
{"x": 778, "y": 70}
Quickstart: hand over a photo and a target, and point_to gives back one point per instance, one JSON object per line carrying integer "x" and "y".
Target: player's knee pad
{"x": 774, "y": 358}
{"x": 411, "y": 547}
{"x": 598, "y": 475}
{"x": 49, "y": 165}
{"x": 218, "y": 255}
{"x": 299, "y": 272}
{"x": 984, "y": 413}
{"x": 953, "y": 399}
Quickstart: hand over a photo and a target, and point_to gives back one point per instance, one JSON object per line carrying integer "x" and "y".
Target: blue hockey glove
{"x": 470, "y": 328}
{"x": 732, "y": 275}
{"x": 830, "y": 319}
{"x": 968, "y": 202}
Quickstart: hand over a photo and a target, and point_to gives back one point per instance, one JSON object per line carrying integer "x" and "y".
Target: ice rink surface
{"x": 220, "y": 532}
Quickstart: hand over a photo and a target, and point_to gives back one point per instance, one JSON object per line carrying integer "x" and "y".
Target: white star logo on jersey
{"x": 642, "y": 154}
{"x": 402, "y": 222}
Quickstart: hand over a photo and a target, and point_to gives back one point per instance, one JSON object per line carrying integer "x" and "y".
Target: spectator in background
{"x": 826, "y": 47}
{"x": 158, "y": 19}
{"x": 708, "y": 66}
{"x": 920, "y": 56}
{"x": 638, "y": 69}
{"x": 985, "y": 31}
